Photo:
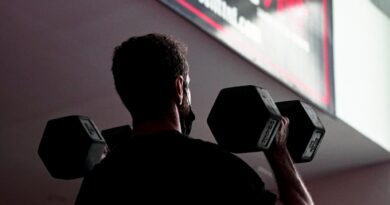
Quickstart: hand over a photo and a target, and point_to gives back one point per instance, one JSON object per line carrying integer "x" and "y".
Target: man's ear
{"x": 179, "y": 89}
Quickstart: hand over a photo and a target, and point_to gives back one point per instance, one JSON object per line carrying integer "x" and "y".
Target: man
{"x": 160, "y": 162}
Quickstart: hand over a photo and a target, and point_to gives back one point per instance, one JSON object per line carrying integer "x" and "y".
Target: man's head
{"x": 149, "y": 72}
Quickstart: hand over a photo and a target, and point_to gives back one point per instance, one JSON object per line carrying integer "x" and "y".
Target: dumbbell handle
{"x": 114, "y": 137}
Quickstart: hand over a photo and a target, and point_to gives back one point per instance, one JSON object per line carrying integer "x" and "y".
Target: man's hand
{"x": 279, "y": 145}
{"x": 292, "y": 190}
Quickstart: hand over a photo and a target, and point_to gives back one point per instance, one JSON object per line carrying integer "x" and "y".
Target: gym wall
{"x": 368, "y": 185}
{"x": 64, "y": 47}
{"x": 362, "y": 74}
{"x": 362, "y": 79}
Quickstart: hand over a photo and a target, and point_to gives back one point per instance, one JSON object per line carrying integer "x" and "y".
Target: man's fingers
{"x": 285, "y": 121}
{"x": 283, "y": 130}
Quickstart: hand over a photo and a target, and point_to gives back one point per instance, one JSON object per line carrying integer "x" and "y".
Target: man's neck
{"x": 166, "y": 123}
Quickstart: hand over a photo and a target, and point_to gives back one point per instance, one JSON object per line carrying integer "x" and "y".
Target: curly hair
{"x": 144, "y": 70}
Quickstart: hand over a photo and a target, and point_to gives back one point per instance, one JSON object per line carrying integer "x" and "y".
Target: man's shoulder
{"x": 188, "y": 165}
{"x": 170, "y": 140}
{"x": 194, "y": 146}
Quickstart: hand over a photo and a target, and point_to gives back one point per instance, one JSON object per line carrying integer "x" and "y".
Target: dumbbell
{"x": 71, "y": 146}
{"x": 246, "y": 119}
{"x": 306, "y": 130}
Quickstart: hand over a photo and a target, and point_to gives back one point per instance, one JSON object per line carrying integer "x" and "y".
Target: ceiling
{"x": 383, "y": 5}
{"x": 55, "y": 61}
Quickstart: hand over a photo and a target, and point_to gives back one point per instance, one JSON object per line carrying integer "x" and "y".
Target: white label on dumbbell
{"x": 312, "y": 146}
{"x": 267, "y": 134}
{"x": 268, "y": 101}
{"x": 90, "y": 128}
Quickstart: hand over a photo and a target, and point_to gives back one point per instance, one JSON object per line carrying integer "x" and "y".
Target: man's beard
{"x": 186, "y": 116}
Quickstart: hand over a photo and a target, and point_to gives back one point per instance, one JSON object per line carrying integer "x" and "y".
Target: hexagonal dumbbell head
{"x": 71, "y": 146}
{"x": 116, "y": 136}
{"x": 305, "y": 130}
{"x": 244, "y": 119}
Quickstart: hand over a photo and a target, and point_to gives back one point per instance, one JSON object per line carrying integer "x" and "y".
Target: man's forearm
{"x": 292, "y": 190}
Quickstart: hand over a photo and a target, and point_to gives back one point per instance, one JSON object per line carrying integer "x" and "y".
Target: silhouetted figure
{"x": 160, "y": 163}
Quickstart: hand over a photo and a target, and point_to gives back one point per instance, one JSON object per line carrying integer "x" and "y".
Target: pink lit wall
{"x": 363, "y": 186}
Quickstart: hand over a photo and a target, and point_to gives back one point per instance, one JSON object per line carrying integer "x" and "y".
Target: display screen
{"x": 290, "y": 40}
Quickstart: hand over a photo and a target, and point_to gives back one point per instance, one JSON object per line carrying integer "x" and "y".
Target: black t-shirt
{"x": 168, "y": 168}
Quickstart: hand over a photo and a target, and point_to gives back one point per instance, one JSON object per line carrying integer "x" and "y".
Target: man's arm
{"x": 292, "y": 190}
